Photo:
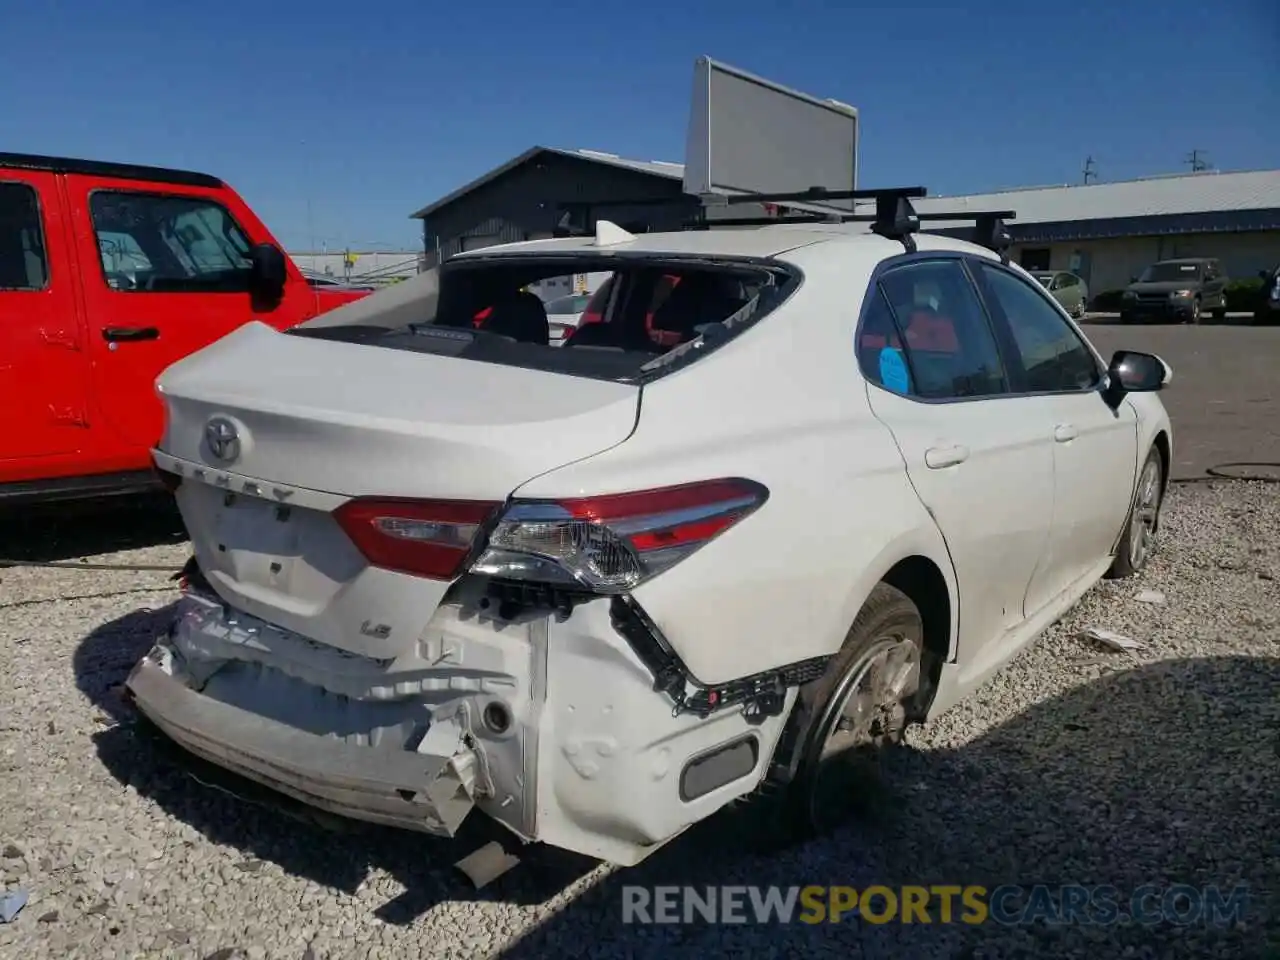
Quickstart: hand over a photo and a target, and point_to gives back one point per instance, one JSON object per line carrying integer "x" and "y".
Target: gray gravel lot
{"x": 1074, "y": 766}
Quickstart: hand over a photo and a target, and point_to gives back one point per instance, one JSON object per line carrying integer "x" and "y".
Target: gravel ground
{"x": 1073, "y": 766}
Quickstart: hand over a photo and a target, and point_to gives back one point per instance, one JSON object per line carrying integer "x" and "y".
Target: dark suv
{"x": 1180, "y": 290}
{"x": 1267, "y": 303}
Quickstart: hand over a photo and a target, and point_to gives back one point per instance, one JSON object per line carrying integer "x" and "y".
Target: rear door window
{"x": 24, "y": 264}
{"x": 939, "y": 345}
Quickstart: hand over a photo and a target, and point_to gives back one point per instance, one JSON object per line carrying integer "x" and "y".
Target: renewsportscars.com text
{"x": 971, "y": 904}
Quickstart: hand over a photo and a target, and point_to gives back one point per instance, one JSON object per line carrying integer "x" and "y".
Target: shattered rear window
{"x": 658, "y": 312}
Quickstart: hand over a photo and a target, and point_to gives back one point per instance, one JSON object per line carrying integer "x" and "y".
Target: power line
{"x": 1090, "y": 170}
{"x": 1196, "y": 161}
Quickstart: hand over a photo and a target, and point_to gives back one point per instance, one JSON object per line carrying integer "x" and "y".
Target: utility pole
{"x": 1090, "y": 170}
{"x": 1196, "y": 162}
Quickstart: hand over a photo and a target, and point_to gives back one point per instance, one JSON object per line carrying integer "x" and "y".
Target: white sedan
{"x": 599, "y": 591}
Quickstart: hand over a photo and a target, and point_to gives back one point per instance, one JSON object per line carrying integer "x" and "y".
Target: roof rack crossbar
{"x": 821, "y": 194}
{"x": 895, "y": 216}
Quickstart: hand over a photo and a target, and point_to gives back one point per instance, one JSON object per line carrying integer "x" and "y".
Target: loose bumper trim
{"x": 423, "y": 792}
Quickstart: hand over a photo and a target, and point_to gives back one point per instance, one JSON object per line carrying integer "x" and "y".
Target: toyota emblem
{"x": 223, "y": 438}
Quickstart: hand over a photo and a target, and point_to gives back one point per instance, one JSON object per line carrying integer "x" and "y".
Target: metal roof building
{"x": 1181, "y": 203}
{"x": 1105, "y": 232}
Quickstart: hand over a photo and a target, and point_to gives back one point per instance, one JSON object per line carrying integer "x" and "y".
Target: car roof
{"x": 1187, "y": 260}
{"x": 766, "y": 242}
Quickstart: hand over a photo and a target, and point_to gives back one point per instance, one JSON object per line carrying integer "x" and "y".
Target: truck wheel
{"x": 859, "y": 708}
{"x": 1140, "y": 526}
{"x": 1195, "y": 311}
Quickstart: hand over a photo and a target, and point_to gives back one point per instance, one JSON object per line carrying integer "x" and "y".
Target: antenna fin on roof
{"x": 609, "y": 233}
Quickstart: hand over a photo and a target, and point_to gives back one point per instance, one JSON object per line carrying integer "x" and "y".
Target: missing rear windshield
{"x": 619, "y": 317}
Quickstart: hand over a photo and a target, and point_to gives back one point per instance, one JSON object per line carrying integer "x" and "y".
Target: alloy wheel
{"x": 1146, "y": 511}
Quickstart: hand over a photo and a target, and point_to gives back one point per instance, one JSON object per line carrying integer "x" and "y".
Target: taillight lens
{"x": 426, "y": 538}
{"x": 611, "y": 544}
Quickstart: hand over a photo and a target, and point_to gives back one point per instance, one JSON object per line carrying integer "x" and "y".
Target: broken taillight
{"x": 610, "y": 544}
{"x": 425, "y": 538}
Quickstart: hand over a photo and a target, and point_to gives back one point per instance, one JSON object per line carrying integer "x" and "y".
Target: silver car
{"x": 1068, "y": 289}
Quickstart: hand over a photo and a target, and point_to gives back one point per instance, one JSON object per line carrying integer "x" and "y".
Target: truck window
{"x": 23, "y": 264}
{"x": 157, "y": 243}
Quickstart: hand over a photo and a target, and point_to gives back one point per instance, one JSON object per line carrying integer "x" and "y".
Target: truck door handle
{"x": 1065, "y": 432}
{"x": 124, "y": 334}
{"x": 936, "y": 458}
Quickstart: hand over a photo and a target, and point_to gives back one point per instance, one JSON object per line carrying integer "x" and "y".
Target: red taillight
{"x": 611, "y": 544}
{"x": 425, "y": 538}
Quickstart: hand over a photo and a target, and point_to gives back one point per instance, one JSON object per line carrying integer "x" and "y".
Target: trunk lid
{"x": 317, "y": 422}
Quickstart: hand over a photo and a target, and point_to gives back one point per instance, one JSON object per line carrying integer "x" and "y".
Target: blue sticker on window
{"x": 893, "y": 371}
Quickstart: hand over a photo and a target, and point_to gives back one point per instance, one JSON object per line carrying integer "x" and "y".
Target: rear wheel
{"x": 861, "y": 707}
{"x": 1138, "y": 539}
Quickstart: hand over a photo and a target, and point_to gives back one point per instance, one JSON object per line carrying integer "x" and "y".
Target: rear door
{"x": 165, "y": 272}
{"x": 1216, "y": 283}
{"x": 980, "y": 459}
{"x": 1094, "y": 447}
{"x": 43, "y": 366}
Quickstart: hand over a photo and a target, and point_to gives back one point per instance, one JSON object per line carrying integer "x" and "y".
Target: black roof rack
{"x": 895, "y": 217}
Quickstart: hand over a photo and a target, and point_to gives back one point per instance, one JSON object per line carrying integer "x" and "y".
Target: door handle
{"x": 936, "y": 458}
{"x": 127, "y": 334}
{"x": 1065, "y": 432}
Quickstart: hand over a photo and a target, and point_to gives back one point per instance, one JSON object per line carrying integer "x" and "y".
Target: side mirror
{"x": 1133, "y": 372}
{"x": 269, "y": 272}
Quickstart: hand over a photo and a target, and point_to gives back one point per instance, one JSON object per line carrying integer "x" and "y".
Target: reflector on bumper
{"x": 424, "y": 792}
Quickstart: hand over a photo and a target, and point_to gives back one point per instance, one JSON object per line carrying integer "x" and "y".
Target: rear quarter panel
{"x": 784, "y": 405}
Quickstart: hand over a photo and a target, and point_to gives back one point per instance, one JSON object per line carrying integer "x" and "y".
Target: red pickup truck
{"x": 108, "y": 274}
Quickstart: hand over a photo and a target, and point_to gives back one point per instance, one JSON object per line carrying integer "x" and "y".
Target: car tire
{"x": 1142, "y": 522}
{"x": 838, "y": 755}
{"x": 1195, "y": 312}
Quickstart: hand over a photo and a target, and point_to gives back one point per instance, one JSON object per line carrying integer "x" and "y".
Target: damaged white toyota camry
{"x": 796, "y": 487}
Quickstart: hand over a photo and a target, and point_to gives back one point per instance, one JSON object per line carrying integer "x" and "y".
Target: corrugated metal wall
{"x": 523, "y": 204}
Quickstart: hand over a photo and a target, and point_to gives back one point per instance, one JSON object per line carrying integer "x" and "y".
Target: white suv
{"x": 599, "y": 591}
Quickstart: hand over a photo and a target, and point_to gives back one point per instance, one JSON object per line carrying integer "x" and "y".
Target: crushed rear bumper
{"x": 431, "y": 794}
{"x": 594, "y": 756}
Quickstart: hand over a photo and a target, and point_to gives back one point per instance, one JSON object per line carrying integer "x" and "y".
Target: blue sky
{"x": 337, "y": 120}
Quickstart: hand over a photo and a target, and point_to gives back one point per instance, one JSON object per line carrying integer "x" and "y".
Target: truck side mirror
{"x": 269, "y": 272}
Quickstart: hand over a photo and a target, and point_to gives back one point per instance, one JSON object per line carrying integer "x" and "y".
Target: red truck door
{"x": 166, "y": 272}
{"x": 43, "y": 364}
